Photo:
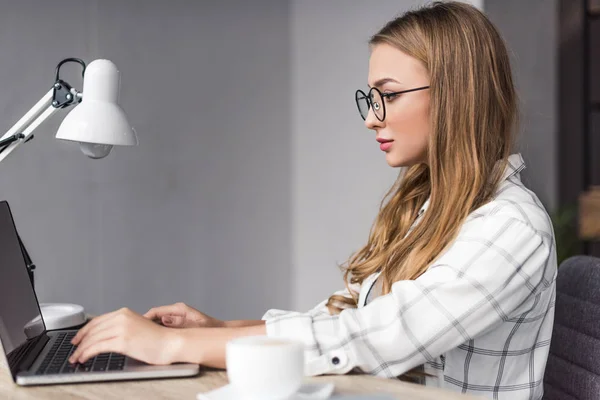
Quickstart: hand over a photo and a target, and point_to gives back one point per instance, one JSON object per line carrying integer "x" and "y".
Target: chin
{"x": 396, "y": 161}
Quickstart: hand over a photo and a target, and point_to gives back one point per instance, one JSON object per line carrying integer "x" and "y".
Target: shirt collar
{"x": 515, "y": 165}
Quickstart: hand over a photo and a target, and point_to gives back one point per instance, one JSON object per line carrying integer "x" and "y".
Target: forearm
{"x": 206, "y": 346}
{"x": 243, "y": 323}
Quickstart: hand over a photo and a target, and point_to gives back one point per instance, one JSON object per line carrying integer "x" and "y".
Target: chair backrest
{"x": 573, "y": 369}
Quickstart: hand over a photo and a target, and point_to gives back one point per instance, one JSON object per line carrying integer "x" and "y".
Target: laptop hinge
{"x": 29, "y": 358}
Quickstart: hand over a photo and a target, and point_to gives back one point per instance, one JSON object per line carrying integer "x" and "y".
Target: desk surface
{"x": 187, "y": 388}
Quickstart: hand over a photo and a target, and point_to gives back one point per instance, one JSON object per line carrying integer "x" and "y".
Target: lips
{"x": 380, "y": 140}
{"x": 386, "y": 146}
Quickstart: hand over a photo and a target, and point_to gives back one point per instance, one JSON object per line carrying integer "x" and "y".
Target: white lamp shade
{"x": 97, "y": 122}
{"x": 99, "y": 119}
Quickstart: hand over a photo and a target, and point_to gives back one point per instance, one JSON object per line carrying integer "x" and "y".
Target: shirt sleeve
{"x": 319, "y": 310}
{"x": 494, "y": 269}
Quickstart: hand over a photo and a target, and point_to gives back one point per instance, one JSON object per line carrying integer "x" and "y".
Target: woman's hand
{"x": 128, "y": 333}
{"x": 180, "y": 315}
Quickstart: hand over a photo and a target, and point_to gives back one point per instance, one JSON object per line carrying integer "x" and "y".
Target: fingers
{"x": 112, "y": 323}
{"x": 90, "y": 340}
{"x": 172, "y": 321}
{"x": 93, "y": 324}
{"x": 105, "y": 346}
{"x": 158, "y": 312}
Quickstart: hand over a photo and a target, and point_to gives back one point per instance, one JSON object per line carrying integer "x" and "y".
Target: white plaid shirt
{"x": 479, "y": 319}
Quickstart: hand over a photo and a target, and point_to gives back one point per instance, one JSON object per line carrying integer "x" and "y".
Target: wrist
{"x": 206, "y": 345}
{"x": 242, "y": 323}
{"x": 177, "y": 346}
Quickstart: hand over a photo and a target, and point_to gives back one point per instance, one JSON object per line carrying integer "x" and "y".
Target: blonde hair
{"x": 472, "y": 119}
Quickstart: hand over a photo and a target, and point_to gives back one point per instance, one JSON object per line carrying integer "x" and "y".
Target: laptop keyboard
{"x": 56, "y": 361}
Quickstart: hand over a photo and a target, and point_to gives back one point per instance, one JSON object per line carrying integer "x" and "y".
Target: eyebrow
{"x": 383, "y": 81}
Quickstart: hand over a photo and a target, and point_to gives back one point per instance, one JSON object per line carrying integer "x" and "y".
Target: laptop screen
{"x": 20, "y": 320}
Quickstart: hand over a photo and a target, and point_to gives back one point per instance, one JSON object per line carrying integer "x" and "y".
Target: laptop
{"x": 36, "y": 356}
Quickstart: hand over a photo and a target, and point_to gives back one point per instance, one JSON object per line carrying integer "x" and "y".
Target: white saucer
{"x": 308, "y": 391}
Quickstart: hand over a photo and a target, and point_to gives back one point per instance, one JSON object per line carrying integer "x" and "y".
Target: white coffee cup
{"x": 259, "y": 367}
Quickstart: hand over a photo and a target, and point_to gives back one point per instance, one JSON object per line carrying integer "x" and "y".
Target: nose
{"x": 371, "y": 122}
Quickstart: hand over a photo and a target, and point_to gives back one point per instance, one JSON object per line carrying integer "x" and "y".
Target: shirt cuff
{"x": 300, "y": 327}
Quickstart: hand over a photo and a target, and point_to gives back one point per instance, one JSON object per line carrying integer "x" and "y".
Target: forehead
{"x": 388, "y": 62}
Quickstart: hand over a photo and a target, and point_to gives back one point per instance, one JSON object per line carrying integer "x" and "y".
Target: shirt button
{"x": 335, "y": 361}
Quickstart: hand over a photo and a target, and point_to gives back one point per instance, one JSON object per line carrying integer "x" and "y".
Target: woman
{"x": 457, "y": 280}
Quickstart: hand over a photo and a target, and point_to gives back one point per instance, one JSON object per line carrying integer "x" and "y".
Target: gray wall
{"x": 200, "y": 211}
{"x": 530, "y": 30}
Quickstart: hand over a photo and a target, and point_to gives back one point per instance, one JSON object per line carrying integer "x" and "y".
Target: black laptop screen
{"x": 19, "y": 310}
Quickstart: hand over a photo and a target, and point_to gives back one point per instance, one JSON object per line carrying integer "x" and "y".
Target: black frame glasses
{"x": 376, "y": 100}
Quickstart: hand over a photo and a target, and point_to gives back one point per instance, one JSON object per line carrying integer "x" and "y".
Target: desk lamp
{"x": 97, "y": 123}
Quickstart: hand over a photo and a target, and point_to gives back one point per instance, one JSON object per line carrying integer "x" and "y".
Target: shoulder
{"x": 513, "y": 202}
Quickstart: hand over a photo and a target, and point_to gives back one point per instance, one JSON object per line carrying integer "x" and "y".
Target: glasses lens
{"x": 362, "y": 103}
{"x": 377, "y": 102}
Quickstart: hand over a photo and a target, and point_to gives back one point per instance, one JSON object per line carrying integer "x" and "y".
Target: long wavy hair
{"x": 473, "y": 116}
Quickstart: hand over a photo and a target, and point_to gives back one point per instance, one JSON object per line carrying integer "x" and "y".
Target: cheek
{"x": 409, "y": 125}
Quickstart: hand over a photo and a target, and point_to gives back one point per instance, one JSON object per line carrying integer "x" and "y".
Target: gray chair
{"x": 573, "y": 369}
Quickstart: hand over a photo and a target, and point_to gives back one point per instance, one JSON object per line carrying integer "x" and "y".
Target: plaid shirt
{"x": 479, "y": 320}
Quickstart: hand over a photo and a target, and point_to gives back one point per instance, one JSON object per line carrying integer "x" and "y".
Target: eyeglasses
{"x": 375, "y": 99}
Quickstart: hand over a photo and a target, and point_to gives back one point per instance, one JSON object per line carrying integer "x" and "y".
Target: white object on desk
{"x": 265, "y": 368}
{"x": 62, "y": 316}
{"x": 308, "y": 391}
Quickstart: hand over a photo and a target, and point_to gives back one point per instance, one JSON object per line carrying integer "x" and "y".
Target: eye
{"x": 390, "y": 96}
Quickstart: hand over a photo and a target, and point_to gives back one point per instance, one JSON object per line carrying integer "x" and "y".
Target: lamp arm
{"x": 60, "y": 96}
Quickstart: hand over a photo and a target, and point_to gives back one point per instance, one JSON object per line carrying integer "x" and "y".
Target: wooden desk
{"x": 187, "y": 388}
